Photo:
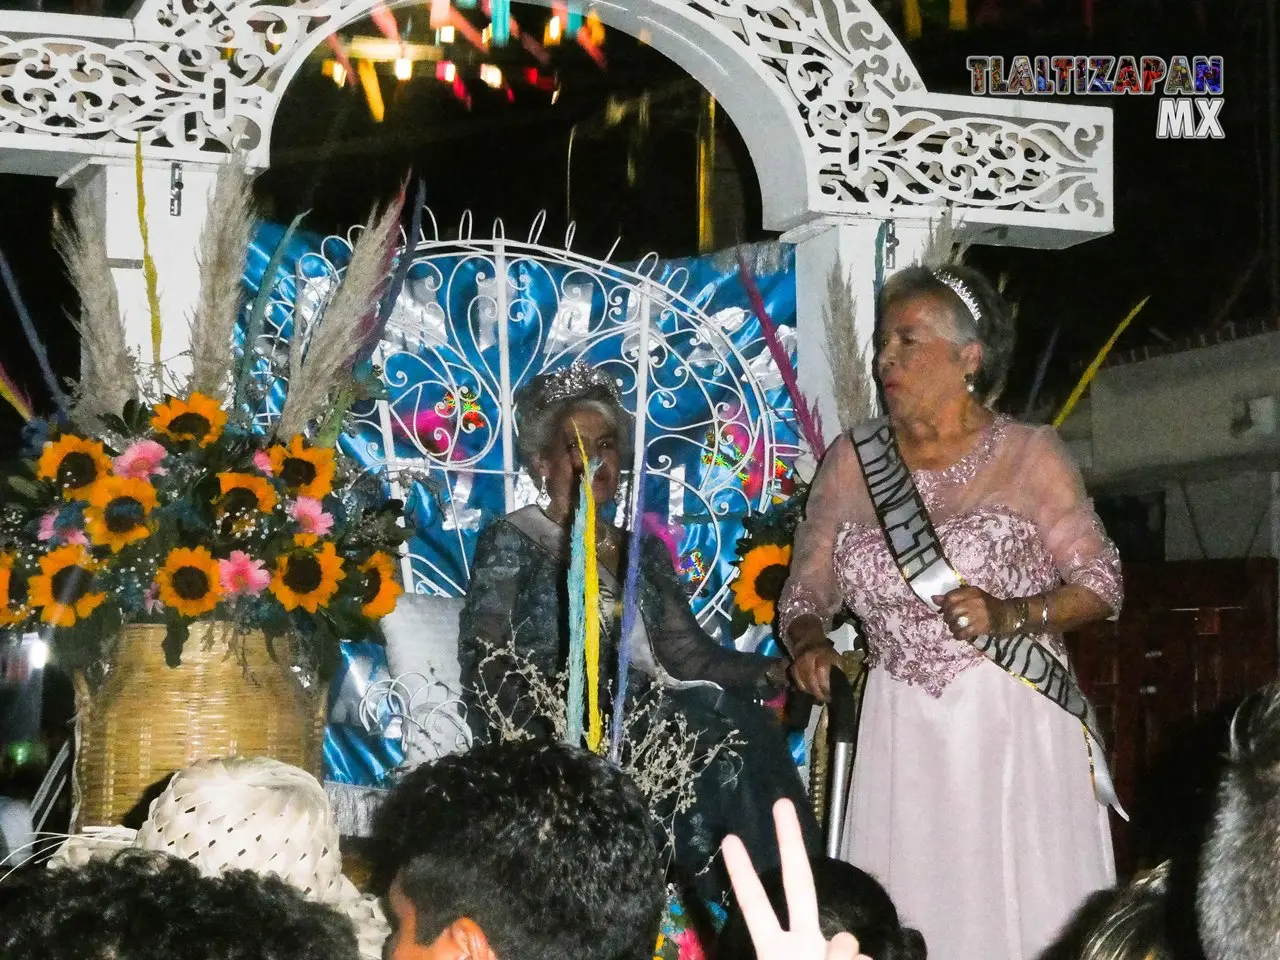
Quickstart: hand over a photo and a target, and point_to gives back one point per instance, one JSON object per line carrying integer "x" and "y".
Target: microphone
{"x": 843, "y": 734}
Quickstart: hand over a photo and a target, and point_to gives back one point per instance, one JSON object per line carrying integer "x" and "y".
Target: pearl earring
{"x": 968, "y": 382}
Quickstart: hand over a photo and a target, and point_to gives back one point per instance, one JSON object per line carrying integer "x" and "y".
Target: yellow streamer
{"x": 591, "y": 611}
{"x": 959, "y": 14}
{"x": 913, "y": 22}
{"x": 1094, "y": 367}
{"x": 148, "y": 265}
{"x": 372, "y": 91}
{"x": 16, "y": 400}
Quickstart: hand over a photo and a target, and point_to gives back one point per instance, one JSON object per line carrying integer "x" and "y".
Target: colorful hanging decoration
{"x": 148, "y": 264}
{"x": 1094, "y": 367}
{"x": 340, "y": 55}
{"x": 372, "y": 91}
{"x": 500, "y": 21}
{"x": 630, "y": 610}
{"x": 808, "y": 417}
{"x": 385, "y": 21}
{"x": 584, "y": 617}
{"x": 912, "y": 20}
{"x": 12, "y": 392}
{"x": 439, "y": 16}
{"x": 959, "y": 14}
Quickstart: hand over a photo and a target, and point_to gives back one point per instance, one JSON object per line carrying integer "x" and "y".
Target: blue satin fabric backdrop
{"x": 447, "y": 511}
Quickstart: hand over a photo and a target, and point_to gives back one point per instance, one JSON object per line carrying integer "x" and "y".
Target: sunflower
{"x": 189, "y": 581}
{"x": 13, "y": 593}
{"x": 307, "y": 471}
{"x": 74, "y": 463}
{"x": 62, "y": 587}
{"x": 118, "y": 511}
{"x": 197, "y": 418}
{"x": 306, "y": 577}
{"x": 379, "y": 592}
{"x": 245, "y": 492}
{"x": 761, "y": 576}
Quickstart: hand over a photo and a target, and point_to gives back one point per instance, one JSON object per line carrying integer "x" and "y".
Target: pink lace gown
{"x": 972, "y": 799}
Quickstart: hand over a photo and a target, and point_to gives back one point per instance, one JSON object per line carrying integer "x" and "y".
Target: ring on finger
{"x": 962, "y": 621}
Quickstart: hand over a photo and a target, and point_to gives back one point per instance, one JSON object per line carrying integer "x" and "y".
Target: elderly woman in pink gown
{"x": 973, "y": 800}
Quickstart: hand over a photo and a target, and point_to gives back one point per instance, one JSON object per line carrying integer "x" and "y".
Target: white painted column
{"x": 852, "y": 243}
{"x": 177, "y": 206}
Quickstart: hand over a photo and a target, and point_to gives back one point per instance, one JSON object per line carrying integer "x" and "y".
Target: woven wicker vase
{"x": 149, "y": 720}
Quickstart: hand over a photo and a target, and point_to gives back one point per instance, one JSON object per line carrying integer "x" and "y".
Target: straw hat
{"x": 247, "y": 814}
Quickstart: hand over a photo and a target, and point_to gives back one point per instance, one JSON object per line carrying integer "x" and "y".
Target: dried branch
{"x": 108, "y": 372}
{"x": 322, "y": 364}
{"x": 659, "y": 752}
{"x": 944, "y": 248}
{"x": 222, "y": 255}
{"x": 850, "y": 364}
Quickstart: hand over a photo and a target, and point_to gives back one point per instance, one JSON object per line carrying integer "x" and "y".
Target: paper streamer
{"x": 577, "y": 624}
{"x": 591, "y": 605}
{"x": 148, "y": 264}
{"x": 630, "y": 610}
{"x": 1094, "y": 367}
{"x": 913, "y": 23}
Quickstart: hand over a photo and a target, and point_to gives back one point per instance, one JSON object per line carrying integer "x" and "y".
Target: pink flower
{"x": 311, "y": 517}
{"x": 50, "y": 530}
{"x": 242, "y": 575}
{"x": 141, "y": 460}
{"x": 261, "y": 461}
{"x": 151, "y": 599}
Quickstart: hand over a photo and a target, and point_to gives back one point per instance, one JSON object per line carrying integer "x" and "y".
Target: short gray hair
{"x": 540, "y": 429}
{"x": 1238, "y": 900}
{"x": 992, "y": 329}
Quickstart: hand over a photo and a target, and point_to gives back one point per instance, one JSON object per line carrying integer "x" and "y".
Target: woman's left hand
{"x": 971, "y": 613}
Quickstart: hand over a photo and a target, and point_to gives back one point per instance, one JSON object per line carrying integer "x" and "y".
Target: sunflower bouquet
{"x": 146, "y": 501}
{"x": 764, "y": 561}
{"x": 172, "y": 516}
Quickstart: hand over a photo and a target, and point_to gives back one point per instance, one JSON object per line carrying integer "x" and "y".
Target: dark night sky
{"x": 1187, "y": 220}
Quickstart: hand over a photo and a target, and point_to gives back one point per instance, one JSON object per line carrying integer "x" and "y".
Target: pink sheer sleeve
{"x": 812, "y": 588}
{"x": 1068, "y": 525}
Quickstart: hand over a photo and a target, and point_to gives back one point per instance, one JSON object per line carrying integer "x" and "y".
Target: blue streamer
{"x": 881, "y": 236}
{"x": 500, "y": 21}
{"x": 577, "y": 619}
{"x": 573, "y": 22}
{"x": 37, "y": 346}
{"x": 629, "y": 613}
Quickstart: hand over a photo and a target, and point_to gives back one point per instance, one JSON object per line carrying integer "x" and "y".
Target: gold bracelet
{"x": 1020, "y": 604}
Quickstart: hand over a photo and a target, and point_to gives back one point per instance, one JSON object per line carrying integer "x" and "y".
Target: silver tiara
{"x": 579, "y": 379}
{"x": 961, "y": 290}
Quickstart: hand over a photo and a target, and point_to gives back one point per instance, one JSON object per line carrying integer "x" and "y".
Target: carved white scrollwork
{"x": 198, "y": 79}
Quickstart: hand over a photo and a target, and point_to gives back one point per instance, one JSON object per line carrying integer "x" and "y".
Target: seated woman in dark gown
{"x": 518, "y": 596}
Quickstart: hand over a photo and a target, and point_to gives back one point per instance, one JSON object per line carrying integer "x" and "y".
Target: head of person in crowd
{"x": 1238, "y": 900}
{"x": 1133, "y": 924}
{"x": 519, "y": 851}
{"x": 140, "y": 905}
{"x": 849, "y": 901}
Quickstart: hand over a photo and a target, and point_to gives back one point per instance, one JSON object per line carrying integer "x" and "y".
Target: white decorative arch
{"x": 844, "y": 137}
{"x": 832, "y": 110}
